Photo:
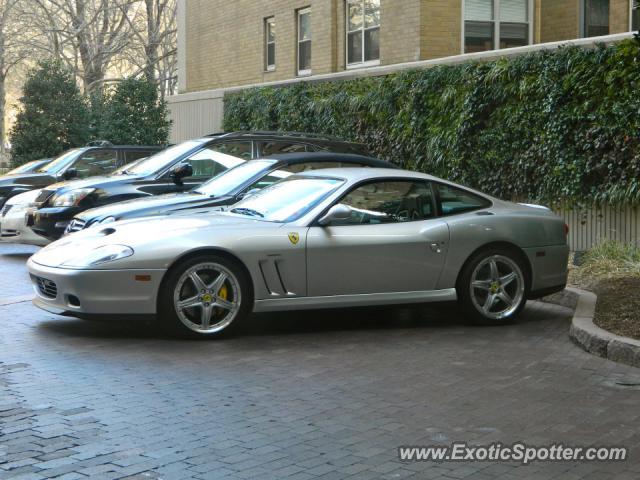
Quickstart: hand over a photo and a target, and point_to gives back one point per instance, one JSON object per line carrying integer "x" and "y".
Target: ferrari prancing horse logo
{"x": 294, "y": 237}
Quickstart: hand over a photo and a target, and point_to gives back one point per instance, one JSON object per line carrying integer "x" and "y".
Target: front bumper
{"x": 14, "y": 229}
{"x": 95, "y": 292}
{"x": 52, "y": 222}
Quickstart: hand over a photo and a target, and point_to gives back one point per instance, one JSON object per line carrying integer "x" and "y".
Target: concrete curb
{"x": 594, "y": 339}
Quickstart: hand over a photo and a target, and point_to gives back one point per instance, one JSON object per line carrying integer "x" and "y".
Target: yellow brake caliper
{"x": 223, "y": 293}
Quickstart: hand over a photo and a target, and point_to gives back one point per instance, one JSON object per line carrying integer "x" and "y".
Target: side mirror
{"x": 337, "y": 212}
{"x": 181, "y": 171}
{"x": 70, "y": 173}
{"x": 248, "y": 194}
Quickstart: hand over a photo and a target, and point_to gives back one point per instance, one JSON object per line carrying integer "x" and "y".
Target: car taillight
{"x": 566, "y": 230}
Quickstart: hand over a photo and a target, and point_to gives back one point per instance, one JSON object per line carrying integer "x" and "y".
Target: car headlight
{"x": 107, "y": 220}
{"x": 72, "y": 198}
{"x": 100, "y": 255}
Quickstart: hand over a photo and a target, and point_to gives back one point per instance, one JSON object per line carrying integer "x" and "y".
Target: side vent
{"x": 272, "y": 271}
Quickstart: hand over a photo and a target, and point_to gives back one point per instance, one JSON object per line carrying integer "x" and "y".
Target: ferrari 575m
{"x": 323, "y": 239}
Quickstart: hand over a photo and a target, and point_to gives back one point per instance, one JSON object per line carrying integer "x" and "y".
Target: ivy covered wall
{"x": 550, "y": 126}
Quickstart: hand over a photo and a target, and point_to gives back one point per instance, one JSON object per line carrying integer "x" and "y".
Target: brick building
{"x": 226, "y": 43}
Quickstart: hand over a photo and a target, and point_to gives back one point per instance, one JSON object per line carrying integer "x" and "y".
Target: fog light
{"x": 73, "y": 301}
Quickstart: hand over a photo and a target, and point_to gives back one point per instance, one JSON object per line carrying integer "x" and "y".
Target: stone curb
{"x": 592, "y": 338}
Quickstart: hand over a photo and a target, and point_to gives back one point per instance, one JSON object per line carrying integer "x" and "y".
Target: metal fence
{"x": 589, "y": 226}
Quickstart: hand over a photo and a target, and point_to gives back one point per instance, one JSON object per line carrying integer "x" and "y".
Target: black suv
{"x": 99, "y": 158}
{"x": 177, "y": 169}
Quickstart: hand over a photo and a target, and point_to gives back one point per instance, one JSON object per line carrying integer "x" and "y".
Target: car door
{"x": 393, "y": 242}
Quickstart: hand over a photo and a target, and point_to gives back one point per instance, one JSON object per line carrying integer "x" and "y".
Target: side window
{"x": 271, "y": 148}
{"x": 284, "y": 172}
{"x": 209, "y": 162}
{"x": 272, "y": 178}
{"x": 96, "y": 162}
{"x": 133, "y": 155}
{"x": 454, "y": 200}
{"x": 236, "y": 149}
{"x": 389, "y": 202}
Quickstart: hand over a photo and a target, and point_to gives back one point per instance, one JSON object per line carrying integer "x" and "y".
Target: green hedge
{"x": 552, "y": 126}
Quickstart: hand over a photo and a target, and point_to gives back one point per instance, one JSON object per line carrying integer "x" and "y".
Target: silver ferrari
{"x": 322, "y": 239}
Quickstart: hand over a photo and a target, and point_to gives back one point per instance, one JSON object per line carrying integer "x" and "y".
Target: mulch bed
{"x": 618, "y": 307}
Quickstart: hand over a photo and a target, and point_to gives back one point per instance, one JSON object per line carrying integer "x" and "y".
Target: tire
{"x": 223, "y": 295}
{"x": 493, "y": 286}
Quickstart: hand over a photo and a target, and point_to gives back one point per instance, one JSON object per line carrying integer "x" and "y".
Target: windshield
{"x": 61, "y": 162}
{"x": 27, "y": 167}
{"x": 288, "y": 199}
{"x": 161, "y": 159}
{"x": 231, "y": 179}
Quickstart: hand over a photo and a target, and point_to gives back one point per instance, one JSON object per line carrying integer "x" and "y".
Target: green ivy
{"x": 551, "y": 126}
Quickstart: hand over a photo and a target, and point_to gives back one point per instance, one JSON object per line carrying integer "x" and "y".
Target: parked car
{"x": 29, "y": 167}
{"x": 225, "y": 189}
{"x": 177, "y": 169}
{"x": 321, "y": 239}
{"x": 13, "y": 224}
{"x": 76, "y": 163}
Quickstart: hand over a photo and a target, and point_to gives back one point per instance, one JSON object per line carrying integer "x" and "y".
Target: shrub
{"x": 549, "y": 126}
{"x": 611, "y": 259}
{"x": 53, "y": 115}
{"x": 131, "y": 113}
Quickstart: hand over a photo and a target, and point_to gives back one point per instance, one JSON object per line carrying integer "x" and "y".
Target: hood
{"x": 24, "y": 199}
{"x": 148, "y": 235}
{"x": 152, "y": 205}
{"x": 27, "y": 179}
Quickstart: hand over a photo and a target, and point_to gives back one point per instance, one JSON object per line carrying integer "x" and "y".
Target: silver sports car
{"x": 328, "y": 238}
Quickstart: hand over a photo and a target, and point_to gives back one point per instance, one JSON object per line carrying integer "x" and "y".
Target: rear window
{"x": 453, "y": 201}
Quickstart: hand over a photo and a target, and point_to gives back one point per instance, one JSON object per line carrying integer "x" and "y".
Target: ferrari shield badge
{"x": 294, "y": 237}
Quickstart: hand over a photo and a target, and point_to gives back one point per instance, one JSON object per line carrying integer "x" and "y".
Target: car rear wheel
{"x": 206, "y": 296}
{"x": 493, "y": 286}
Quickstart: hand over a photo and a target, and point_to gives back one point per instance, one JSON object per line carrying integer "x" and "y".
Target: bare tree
{"x": 12, "y": 52}
{"x": 87, "y": 35}
{"x": 154, "y": 44}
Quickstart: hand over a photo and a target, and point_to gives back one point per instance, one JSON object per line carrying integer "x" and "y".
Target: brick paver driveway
{"x": 301, "y": 396}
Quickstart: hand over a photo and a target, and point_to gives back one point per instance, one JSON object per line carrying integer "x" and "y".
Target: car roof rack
{"x": 317, "y": 136}
{"x": 99, "y": 143}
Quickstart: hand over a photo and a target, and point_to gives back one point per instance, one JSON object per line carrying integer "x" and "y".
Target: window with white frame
{"x": 635, "y": 14}
{"x": 595, "y": 17}
{"x": 304, "y": 41}
{"x": 363, "y": 32}
{"x": 270, "y": 44}
{"x": 495, "y": 24}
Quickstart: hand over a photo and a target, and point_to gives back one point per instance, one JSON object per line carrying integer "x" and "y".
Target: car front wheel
{"x": 493, "y": 286}
{"x": 206, "y": 296}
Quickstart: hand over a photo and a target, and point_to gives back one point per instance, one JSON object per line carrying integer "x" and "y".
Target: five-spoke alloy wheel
{"x": 493, "y": 286}
{"x": 205, "y": 296}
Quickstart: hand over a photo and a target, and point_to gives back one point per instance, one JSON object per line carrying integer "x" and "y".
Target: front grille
{"x": 75, "y": 226}
{"x": 46, "y": 287}
{"x": 44, "y": 196}
{"x": 6, "y": 209}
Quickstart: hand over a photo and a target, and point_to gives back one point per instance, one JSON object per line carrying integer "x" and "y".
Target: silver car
{"x": 323, "y": 239}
